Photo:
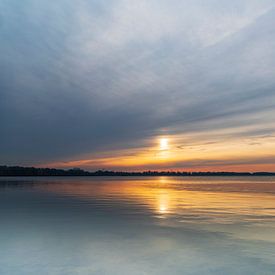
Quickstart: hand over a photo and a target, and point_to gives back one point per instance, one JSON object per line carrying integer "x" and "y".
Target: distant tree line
{"x": 32, "y": 171}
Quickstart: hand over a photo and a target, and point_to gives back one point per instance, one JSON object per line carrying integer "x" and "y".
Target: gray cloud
{"x": 93, "y": 76}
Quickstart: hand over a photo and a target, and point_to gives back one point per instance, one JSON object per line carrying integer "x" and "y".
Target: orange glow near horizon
{"x": 214, "y": 155}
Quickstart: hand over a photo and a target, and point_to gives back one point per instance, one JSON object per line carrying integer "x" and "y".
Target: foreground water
{"x": 219, "y": 225}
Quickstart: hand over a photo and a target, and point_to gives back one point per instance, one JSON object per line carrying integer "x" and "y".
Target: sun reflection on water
{"x": 163, "y": 206}
{"x": 177, "y": 222}
{"x": 185, "y": 199}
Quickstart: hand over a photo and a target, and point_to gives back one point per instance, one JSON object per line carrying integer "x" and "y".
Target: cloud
{"x": 93, "y": 76}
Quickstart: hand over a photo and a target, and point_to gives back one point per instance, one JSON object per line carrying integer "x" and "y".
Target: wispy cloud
{"x": 92, "y": 77}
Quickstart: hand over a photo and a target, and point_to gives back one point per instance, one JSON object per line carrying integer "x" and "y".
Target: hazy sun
{"x": 164, "y": 144}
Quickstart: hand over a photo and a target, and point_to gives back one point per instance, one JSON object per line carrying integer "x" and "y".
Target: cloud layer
{"x": 84, "y": 78}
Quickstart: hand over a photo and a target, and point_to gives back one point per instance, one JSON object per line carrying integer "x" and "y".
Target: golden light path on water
{"x": 138, "y": 225}
{"x": 207, "y": 202}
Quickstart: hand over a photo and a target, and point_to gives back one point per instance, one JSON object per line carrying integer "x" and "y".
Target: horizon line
{"x": 6, "y": 170}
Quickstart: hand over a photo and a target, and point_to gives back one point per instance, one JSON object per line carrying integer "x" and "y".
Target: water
{"x": 154, "y": 225}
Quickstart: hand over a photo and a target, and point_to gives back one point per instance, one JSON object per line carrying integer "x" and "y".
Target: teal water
{"x": 154, "y": 225}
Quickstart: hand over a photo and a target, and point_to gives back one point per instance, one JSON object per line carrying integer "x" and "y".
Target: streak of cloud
{"x": 88, "y": 77}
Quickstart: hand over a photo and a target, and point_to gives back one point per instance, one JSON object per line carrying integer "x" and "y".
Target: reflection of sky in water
{"x": 137, "y": 225}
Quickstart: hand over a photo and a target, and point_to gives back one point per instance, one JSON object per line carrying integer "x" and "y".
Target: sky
{"x": 136, "y": 85}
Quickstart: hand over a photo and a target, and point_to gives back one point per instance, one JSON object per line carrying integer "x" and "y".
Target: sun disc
{"x": 164, "y": 144}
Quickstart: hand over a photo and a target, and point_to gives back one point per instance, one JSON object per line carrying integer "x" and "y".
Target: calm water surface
{"x": 165, "y": 225}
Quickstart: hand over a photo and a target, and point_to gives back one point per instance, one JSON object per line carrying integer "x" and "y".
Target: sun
{"x": 164, "y": 144}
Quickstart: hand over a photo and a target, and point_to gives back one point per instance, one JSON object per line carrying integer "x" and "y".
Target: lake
{"x": 137, "y": 225}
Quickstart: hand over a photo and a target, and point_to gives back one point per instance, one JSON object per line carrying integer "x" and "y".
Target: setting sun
{"x": 164, "y": 144}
